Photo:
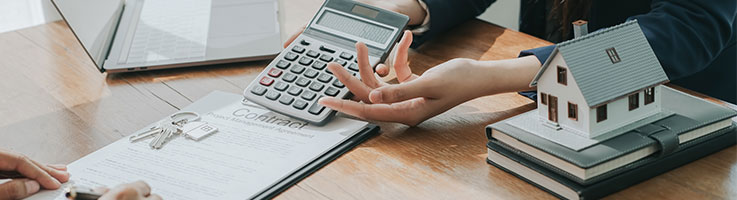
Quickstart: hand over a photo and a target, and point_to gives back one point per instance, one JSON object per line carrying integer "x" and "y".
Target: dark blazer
{"x": 694, "y": 40}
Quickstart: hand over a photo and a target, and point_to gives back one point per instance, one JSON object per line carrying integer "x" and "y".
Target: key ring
{"x": 174, "y": 116}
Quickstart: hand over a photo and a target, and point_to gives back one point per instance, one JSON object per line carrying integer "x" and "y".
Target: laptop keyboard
{"x": 170, "y": 30}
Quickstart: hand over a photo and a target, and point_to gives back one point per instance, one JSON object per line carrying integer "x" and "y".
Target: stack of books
{"x": 575, "y": 167}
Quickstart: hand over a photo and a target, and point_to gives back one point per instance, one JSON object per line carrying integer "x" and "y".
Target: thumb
{"x": 18, "y": 189}
{"x": 401, "y": 92}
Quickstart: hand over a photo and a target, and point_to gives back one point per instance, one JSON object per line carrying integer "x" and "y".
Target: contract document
{"x": 253, "y": 150}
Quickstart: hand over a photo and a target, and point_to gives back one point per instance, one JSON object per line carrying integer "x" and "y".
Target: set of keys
{"x": 181, "y": 123}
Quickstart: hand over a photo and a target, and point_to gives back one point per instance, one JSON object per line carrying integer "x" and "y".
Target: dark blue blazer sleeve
{"x": 686, "y": 35}
{"x": 445, "y": 14}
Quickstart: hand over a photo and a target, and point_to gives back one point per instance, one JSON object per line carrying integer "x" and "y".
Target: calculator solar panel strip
{"x": 293, "y": 82}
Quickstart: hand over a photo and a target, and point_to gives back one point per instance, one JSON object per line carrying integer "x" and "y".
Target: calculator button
{"x": 313, "y": 54}
{"x": 316, "y": 86}
{"x": 325, "y": 78}
{"x": 273, "y": 95}
{"x": 283, "y": 64}
{"x": 326, "y": 58}
{"x": 338, "y": 84}
{"x": 353, "y": 66}
{"x": 273, "y": 72}
{"x": 258, "y": 90}
{"x": 327, "y": 49}
{"x": 328, "y": 71}
{"x": 341, "y": 62}
{"x": 297, "y": 69}
{"x": 316, "y": 109}
{"x": 305, "y": 42}
{"x": 266, "y": 81}
{"x": 294, "y": 91}
{"x": 331, "y": 91}
{"x": 319, "y": 65}
{"x": 299, "y": 104}
{"x": 303, "y": 82}
{"x": 346, "y": 56}
{"x": 291, "y": 56}
{"x": 310, "y": 73}
{"x": 308, "y": 95}
{"x": 305, "y": 61}
{"x": 298, "y": 49}
{"x": 289, "y": 77}
{"x": 281, "y": 86}
{"x": 286, "y": 100}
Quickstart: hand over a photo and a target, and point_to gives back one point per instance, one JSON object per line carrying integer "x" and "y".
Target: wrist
{"x": 511, "y": 75}
{"x": 413, "y": 10}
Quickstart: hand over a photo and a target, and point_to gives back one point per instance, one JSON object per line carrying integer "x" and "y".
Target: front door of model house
{"x": 553, "y": 108}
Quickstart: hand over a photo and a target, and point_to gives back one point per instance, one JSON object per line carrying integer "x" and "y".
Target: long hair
{"x": 568, "y": 11}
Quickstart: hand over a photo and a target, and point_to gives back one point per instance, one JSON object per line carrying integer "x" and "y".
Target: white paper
{"x": 253, "y": 149}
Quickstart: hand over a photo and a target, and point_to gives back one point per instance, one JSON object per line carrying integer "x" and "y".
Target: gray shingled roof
{"x": 599, "y": 79}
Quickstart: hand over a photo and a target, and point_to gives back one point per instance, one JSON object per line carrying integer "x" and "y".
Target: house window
{"x": 601, "y": 113}
{"x": 573, "y": 111}
{"x": 562, "y": 79}
{"x": 634, "y": 101}
{"x": 649, "y": 95}
{"x": 613, "y": 56}
{"x": 544, "y": 98}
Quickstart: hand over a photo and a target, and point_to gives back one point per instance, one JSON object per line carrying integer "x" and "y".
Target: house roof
{"x": 599, "y": 78}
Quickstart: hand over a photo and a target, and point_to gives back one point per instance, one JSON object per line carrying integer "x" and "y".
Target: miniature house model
{"x": 598, "y": 82}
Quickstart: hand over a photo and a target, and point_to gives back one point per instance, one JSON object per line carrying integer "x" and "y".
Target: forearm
{"x": 501, "y": 76}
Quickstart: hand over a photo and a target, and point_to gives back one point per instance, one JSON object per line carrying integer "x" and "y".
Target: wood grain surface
{"x": 56, "y": 107}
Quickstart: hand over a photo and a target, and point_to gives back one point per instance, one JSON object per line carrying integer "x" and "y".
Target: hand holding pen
{"x": 28, "y": 177}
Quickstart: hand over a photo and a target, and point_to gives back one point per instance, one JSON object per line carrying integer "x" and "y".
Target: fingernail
{"x": 59, "y": 166}
{"x": 375, "y": 97}
{"x": 32, "y": 186}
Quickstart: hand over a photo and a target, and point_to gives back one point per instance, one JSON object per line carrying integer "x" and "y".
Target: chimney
{"x": 580, "y": 28}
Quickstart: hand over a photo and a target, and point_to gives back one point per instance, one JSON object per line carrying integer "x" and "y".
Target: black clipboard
{"x": 294, "y": 178}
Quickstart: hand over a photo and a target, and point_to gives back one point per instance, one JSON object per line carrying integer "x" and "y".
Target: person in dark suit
{"x": 694, "y": 41}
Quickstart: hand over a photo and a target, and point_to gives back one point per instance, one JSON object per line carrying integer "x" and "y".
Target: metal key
{"x": 166, "y": 133}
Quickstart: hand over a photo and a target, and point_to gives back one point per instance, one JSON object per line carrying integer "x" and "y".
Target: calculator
{"x": 298, "y": 77}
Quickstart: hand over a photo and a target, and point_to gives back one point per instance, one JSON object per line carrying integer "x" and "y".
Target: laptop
{"x": 135, "y": 35}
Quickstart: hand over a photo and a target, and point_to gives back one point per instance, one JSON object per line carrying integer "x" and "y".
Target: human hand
{"x": 138, "y": 190}
{"x": 29, "y": 176}
{"x": 415, "y": 98}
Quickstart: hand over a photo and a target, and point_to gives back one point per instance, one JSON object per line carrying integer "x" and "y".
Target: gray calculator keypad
{"x": 300, "y": 77}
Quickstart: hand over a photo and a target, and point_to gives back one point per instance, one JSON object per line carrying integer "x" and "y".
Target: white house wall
{"x": 548, "y": 83}
{"x": 618, "y": 113}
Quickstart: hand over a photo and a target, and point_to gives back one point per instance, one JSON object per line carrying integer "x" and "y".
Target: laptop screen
{"x": 93, "y": 23}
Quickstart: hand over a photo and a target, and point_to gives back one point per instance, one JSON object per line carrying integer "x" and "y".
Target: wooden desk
{"x": 56, "y": 107}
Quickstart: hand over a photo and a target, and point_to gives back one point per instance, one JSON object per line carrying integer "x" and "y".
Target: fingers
{"x": 18, "y": 189}
{"x": 407, "y": 112}
{"x": 61, "y": 176}
{"x": 364, "y": 67}
{"x": 294, "y": 37}
{"x": 60, "y": 167}
{"x": 358, "y": 88}
{"x": 153, "y": 197}
{"x": 402, "y": 92}
{"x": 134, "y": 190}
{"x": 382, "y": 70}
{"x": 29, "y": 169}
{"x": 141, "y": 187}
{"x": 404, "y": 73}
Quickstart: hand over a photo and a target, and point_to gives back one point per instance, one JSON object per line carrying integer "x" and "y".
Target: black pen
{"x": 10, "y": 175}
{"x": 71, "y": 193}
{"x": 81, "y": 193}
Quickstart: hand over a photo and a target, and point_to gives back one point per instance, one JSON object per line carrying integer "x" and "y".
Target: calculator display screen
{"x": 355, "y": 27}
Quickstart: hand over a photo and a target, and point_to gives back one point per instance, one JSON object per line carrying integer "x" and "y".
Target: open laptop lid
{"x": 93, "y": 22}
